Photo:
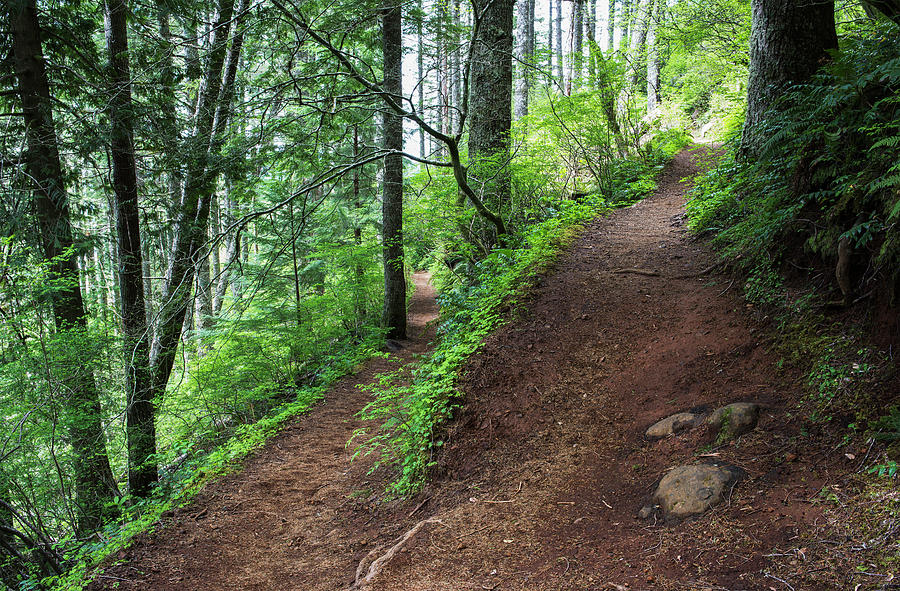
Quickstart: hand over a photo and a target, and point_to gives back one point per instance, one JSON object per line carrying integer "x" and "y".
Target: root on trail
{"x": 637, "y": 272}
{"x": 379, "y": 563}
{"x": 653, "y": 273}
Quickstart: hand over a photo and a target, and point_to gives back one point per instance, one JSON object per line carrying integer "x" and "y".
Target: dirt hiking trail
{"x": 547, "y": 467}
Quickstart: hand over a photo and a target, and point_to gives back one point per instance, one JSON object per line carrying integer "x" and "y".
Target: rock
{"x": 392, "y": 345}
{"x": 646, "y": 511}
{"x": 690, "y": 490}
{"x": 732, "y": 421}
{"x": 673, "y": 424}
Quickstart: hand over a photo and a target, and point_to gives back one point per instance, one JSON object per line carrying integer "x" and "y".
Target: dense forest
{"x": 209, "y": 211}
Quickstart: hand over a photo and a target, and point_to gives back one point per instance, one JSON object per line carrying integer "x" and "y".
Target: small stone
{"x": 673, "y": 424}
{"x": 690, "y": 490}
{"x": 733, "y": 420}
{"x": 646, "y": 511}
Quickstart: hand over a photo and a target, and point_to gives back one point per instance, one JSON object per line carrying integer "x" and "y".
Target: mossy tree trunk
{"x": 789, "y": 41}
{"x": 95, "y": 486}
{"x": 490, "y": 113}
{"x": 392, "y": 205}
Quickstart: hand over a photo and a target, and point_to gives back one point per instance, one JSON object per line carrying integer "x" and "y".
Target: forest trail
{"x": 297, "y": 514}
{"x": 546, "y": 468}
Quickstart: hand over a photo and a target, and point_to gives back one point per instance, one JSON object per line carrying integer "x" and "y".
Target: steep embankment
{"x": 547, "y": 467}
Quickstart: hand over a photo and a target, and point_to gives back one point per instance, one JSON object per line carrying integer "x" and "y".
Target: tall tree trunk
{"x": 560, "y": 71}
{"x": 140, "y": 410}
{"x": 653, "y": 57}
{"x": 456, "y": 64}
{"x": 203, "y": 289}
{"x": 194, "y": 211}
{"x": 531, "y": 39}
{"x": 359, "y": 307}
{"x": 578, "y": 42}
{"x": 789, "y": 40}
{"x": 171, "y": 162}
{"x": 522, "y": 59}
{"x": 420, "y": 81}
{"x": 625, "y": 21}
{"x": 95, "y": 486}
{"x": 636, "y": 48}
{"x": 490, "y": 99}
{"x": 551, "y": 32}
{"x": 392, "y": 207}
{"x": 592, "y": 41}
{"x": 232, "y": 254}
{"x": 611, "y": 27}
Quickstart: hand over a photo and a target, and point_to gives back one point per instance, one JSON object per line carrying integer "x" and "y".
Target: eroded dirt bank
{"x": 547, "y": 467}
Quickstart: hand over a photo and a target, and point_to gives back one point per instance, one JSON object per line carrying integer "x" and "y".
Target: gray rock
{"x": 673, "y": 424}
{"x": 690, "y": 490}
{"x": 646, "y": 511}
{"x": 732, "y": 421}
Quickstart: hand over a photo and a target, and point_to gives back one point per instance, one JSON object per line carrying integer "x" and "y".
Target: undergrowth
{"x": 827, "y": 179}
{"x": 411, "y": 412}
{"x": 830, "y": 172}
{"x": 189, "y": 478}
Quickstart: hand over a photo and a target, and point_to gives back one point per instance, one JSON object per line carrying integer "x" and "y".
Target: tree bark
{"x": 611, "y": 27}
{"x": 653, "y": 58}
{"x": 95, "y": 486}
{"x": 789, "y": 41}
{"x": 394, "y": 314}
{"x": 591, "y": 41}
{"x": 194, "y": 211}
{"x": 577, "y": 42}
{"x": 490, "y": 115}
{"x": 522, "y": 58}
{"x": 560, "y": 71}
{"x": 140, "y": 409}
{"x": 636, "y": 48}
{"x": 420, "y": 81}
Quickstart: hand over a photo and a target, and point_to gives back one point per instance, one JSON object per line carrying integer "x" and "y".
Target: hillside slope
{"x": 547, "y": 467}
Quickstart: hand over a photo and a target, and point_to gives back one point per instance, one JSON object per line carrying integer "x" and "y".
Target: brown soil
{"x": 546, "y": 468}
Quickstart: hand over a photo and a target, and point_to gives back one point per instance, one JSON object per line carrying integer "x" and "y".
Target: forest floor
{"x": 547, "y": 466}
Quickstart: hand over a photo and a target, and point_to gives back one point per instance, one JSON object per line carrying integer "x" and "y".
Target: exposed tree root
{"x": 652, "y": 273}
{"x": 637, "y": 272}
{"x": 379, "y": 563}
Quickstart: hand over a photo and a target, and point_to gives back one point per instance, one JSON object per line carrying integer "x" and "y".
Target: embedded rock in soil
{"x": 690, "y": 490}
{"x": 732, "y": 421}
{"x": 673, "y": 424}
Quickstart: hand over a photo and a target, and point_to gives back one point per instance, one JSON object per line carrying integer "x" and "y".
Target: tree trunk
{"x": 577, "y": 42}
{"x": 140, "y": 410}
{"x": 611, "y": 27}
{"x": 522, "y": 58}
{"x": 203, "y": 291}
{"x": 551, "y": 31}
{"x": 194, "y": 211}
{"x": 232, "y": 254}
{"x": 392, "y": 207}
{"x": 560, "y": 72}
{"x": 789, "y": 40}
{"x": 490, "y": 99}
{"x": 636, "y": 48}
{"x": 95, "y": 486}
{"x": 456, "y": 65}
{"x": 653, "y": 58}
{"x": 625, "y": 20}
{"x": 591, "y": 41}
{"x": 359, "y": 304}
{"x": 420, "y": 81}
